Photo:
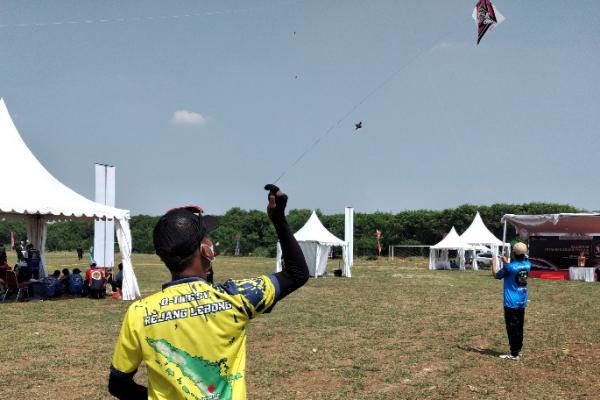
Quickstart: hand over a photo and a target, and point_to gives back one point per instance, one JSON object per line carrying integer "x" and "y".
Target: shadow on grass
{"x": 485, "y": 352}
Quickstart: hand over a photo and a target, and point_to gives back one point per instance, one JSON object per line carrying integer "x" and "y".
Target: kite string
{"x": 141, "y": 18}
{"x": 377, "y": 88}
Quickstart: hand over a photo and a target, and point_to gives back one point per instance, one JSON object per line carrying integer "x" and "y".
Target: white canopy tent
{"x": 38, "y": 198}
{"x": 478, "y": 235}
{"x": 316, "y": 241}
{"x": 438, "y": 253}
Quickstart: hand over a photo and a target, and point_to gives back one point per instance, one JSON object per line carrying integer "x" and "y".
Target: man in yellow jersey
{"x": 192, "y": 334}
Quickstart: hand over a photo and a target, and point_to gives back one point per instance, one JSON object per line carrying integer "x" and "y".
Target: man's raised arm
{"x": 295, "y": 271}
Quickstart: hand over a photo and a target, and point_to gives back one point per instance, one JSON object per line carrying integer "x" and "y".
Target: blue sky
{"x": 209, "y": 107}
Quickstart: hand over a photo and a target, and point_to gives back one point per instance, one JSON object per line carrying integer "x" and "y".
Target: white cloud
{"x": 185, "y": 117}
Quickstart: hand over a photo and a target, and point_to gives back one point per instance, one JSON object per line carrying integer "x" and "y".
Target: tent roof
{"x": 34, "y": 190}
{"x": 314, "y": 231}
{"x": 452, "y": 241}
{"x": 478, "y": 233}
{"x": 557, "y": 224}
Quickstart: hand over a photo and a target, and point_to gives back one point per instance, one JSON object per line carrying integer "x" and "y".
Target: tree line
{"x": 258, "y": 238}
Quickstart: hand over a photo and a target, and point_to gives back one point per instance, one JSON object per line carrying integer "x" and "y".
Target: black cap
{"x": 179, "y": 232}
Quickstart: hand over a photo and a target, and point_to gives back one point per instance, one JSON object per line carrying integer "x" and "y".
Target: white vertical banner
{"x": 104, "y": 231}
{"x": 349, "y": 239}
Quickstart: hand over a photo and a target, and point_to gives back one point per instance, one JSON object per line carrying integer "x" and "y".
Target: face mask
{"x": 208, "y": 253}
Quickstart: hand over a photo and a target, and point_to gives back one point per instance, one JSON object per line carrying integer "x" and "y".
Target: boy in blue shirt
{"x": 515, "y": 296}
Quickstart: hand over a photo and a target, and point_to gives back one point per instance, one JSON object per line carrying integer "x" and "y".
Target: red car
{"x": 543, "y": 265}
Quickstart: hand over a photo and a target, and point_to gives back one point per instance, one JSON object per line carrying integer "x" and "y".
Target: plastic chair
{"x": 11, "y": 283}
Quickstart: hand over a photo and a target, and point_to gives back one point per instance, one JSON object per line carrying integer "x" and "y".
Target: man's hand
{"x": 277, "y": 202}
{"x": 494, "y": 266}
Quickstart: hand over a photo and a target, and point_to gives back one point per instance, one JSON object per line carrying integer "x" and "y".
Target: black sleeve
{"x": 295, "y": 270}
{"x": 122, "y": 386}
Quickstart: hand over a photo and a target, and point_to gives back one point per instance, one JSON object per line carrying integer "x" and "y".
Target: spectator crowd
{"x": 24, "y": 278}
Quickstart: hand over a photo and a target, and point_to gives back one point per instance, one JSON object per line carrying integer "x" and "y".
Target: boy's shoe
{"x": 510, "y": 357}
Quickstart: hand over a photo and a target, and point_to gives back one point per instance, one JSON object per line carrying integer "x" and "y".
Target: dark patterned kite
{"x": 487, "y": 17}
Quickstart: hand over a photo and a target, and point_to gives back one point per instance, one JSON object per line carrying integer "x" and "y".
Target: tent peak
{"x": 314, "y": 231}
{"x": 43, "y": 194}
{"x": 478, "y": 233}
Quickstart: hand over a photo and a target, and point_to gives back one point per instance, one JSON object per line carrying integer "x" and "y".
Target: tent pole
{"x": 504, "y": 233}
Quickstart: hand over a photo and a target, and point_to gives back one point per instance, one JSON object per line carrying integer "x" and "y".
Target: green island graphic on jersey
{"x": 205, "y": 375}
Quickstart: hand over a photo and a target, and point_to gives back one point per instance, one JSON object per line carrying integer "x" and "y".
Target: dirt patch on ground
{"x": 309, "y": 381}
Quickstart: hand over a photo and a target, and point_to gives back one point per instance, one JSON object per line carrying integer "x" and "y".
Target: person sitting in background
{"x": 33, "y": 261}
{"x": 53, "y": 285}
{"x": 116, "y": 283}
{"x": 88, "y": 278}
{"x": 19, "y": 251}
{"x": 95, "y": 281}
{"x": 75, "y": 285}
{"x": 65, "y": 277}
{"x": 88, "y": 272}
{"x": 23, "y": 274}
{"x": 3, "y": 267}
{"x": 108, "y": 275}
{"x": 98, "y": 284}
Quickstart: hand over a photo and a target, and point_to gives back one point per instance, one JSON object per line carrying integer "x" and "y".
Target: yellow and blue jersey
{"x": 192, "y": 337}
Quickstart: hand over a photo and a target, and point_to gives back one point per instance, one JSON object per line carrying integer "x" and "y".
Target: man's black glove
{"x": 277, "y": 203}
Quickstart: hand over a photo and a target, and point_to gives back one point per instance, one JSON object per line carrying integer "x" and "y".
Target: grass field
{"x": 393, "y": 331}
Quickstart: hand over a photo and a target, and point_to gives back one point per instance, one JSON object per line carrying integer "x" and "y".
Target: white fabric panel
{"x": 348, "y": 260}
{"x": 110, "y": 186}
{"x": 109, "y": 242}
{"x": 349, "y": 239}
{"x": 309, "y": 249}
{"x": 432, "y": 252}
{"x": 37, "y": 231}
{"x": 130, "y": 290}
{"x": 321, "y": 259}
{"x": 99, "y": 225}
{"x": 104, "y": 230}
{"x": 100, "y": 183}
{"x": 582, "y": 274}
{"x": 475, "y": 266}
